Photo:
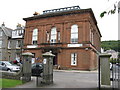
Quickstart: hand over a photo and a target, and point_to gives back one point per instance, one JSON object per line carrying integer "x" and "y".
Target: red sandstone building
{"x": 70, "y": 33}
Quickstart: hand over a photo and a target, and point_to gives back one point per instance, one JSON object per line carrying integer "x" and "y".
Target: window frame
{"x": 47, "y": 36}
{"x": 73, "y": 59}
{"x": 18, "y": 43}
{"x": 58, "y": 36}
{"x": 35, "y": 36}
{"x": 9, "y": 44}
{"x": 53, "y": 37}
{"x": 74, "y": 33}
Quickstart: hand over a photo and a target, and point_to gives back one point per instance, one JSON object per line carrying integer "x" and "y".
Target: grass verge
{"x": 8, "y": 83}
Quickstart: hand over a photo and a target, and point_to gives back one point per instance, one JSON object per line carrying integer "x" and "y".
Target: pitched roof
{"x": 7, "y": 31}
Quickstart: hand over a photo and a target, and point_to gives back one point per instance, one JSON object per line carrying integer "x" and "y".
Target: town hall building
{"x": 70, "y": 33}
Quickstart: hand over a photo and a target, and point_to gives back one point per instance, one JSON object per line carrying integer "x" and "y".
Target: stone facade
{"x": 5, "y": 35}
{"x": 16, "y": 43}
{"x": 73, "y": 50}
{"x": 11, "y": 42}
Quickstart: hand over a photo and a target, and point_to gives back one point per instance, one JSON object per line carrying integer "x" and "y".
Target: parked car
{"x": 10, "y": 67}
{"x": 37, "y": 69}
{"x": 3, "y": 68}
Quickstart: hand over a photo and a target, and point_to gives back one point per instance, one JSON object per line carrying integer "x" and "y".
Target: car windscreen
{"x": 8, "y": 64}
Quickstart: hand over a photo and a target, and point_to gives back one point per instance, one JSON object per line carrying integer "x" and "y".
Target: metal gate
{"x": 115, "y": 74}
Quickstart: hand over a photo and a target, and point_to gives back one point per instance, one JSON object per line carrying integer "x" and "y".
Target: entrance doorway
{"x": 55, "y": 61}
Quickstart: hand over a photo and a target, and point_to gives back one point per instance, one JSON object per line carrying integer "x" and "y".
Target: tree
{"x": 116, "y": 8}
{"x": 114, "y": 45}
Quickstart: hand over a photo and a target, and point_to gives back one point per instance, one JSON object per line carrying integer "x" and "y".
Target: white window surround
{"x": 47, "y": 36}
{"x": 74, "y": 45}
{"x": 35, "y": 36}
{"x": 32, "y": 46}
{"x": 92, "y": 38}
{"x": 9, "y": 44}
{"x": 53, "y": 35}
{"x": 74, "y": 59}
{"x": 17, "y": 33}
{"x": 74, "y": 33}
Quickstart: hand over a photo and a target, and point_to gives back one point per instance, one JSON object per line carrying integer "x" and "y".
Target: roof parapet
{"x": 61, "y": 9}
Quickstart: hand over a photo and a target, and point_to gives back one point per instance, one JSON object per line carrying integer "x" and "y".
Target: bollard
{"x": 26, "y": 67}
{"x": 105, "y": 68}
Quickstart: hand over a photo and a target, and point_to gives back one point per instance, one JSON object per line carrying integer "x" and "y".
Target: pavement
{"x": 68, "y": 79}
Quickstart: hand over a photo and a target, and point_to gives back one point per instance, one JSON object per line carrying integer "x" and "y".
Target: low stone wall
{"x": 11, "y": 75}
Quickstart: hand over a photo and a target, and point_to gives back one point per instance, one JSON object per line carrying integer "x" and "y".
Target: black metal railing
{"x": 115, "y": 74}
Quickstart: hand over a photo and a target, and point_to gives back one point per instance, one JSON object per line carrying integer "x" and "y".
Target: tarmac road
{"x": 68, "y": 79}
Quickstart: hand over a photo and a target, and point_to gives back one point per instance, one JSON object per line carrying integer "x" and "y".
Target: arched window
{"x": 53, "y": 35}
{"x": 74, "y": 34}
{"x": 35, "y": 36}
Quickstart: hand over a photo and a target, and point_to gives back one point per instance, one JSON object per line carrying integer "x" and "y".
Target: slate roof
{"x": 7, "y": 31}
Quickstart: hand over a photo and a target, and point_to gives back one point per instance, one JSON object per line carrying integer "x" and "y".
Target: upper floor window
{"x": 47, "y": 36}
{"x": 92, "y": 38}
{"x": 35, "y": 36}
{"x": 18, "y": 44}
{"x": 9, "y": 44}
{"x": 0, "y": 43}
{"x": 17, "y": 33}
{"x": 74, "y": 34}
{"x": 53, "y": 35}
{"x": 58, "y": 36}
{"x": 0, "y": 33}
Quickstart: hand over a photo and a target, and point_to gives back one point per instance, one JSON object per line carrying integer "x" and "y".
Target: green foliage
{"x": 114, "y": 61}
{"x": 111, "y": 11}
{"x": 7, "y": 83}
{"x": 102, "y": 14}
{"x": 114, "y": 45}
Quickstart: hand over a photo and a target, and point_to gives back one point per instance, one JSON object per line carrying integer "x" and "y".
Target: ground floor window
{"x": 73, "y": 58}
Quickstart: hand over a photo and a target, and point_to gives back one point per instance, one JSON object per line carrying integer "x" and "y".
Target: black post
{"x": 99, "y": 86}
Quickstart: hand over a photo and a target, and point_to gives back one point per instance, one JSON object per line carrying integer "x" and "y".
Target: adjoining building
{"x": 70, "y": 33}
{"x": 11, "y": 42}
{"x": 15, "y": 43}
{"x": 5, "y": 35}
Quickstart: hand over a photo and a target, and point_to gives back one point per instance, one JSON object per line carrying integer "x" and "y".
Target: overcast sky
{"x": 13, "y": 12}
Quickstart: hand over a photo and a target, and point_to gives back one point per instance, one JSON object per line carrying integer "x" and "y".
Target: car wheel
{"x": 9, "y": 70}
